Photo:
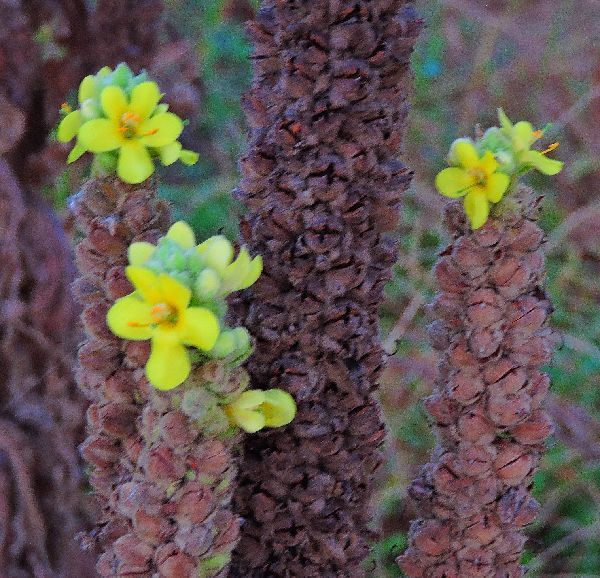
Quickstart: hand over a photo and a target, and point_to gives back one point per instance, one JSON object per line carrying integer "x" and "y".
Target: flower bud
{"x": 216, "y": 253}
{"x": 225, "y": 345}
{"x": 207, "y": 284}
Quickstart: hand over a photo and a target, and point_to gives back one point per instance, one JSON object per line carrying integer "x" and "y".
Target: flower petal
{"x": 100, "y": 135}
{"x": 135, "y": 164}
{"x": 144, "y": 98}
{"x": 250, "y": 421}
{"x": 160, "y": 130}
{"x": 169, "y": 364}
{"x": 488, "y": 163}
{"x": 279, "y": 408}
{"x": 496, "y": 186}
{"x": 199, "y": 328}
{"x": 130, "y": 318}
{"x": 254, "y": 271}
{"x": 477, "y": 208}
{"x": 463, "y": 151}
{"x": 114, "y": 102}
{"x": 541, "y": 162}
{"x": 182, "y": 233}
{"x": 453, "y": 182}
{"x": 138, "y": 253}
{"x": 216, "y": 252}
{"x": 146, "y": 282}
{"x": 249, "y": 399}
{"x": 76, "y": 152}
{"x": 69, "y": 126}
{"x": 87, "y": 88}
{"x": 170, "y": 153}
{"x": 522, "y": 136}
{"x": 174, "y": 293}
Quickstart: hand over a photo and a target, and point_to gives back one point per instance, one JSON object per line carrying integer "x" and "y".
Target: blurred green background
{"x": 538, "y": 60}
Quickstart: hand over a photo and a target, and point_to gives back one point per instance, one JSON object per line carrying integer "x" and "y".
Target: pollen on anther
{"x": 552, "y": 147}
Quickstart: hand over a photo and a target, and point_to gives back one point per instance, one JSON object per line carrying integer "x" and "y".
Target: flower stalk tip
{"x": 121, "y": 121}
{"x": 483, "y": 171}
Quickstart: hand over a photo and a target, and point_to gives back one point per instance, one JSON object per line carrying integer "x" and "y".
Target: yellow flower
{"x": 159, "y": 310}
{"x": 131, "y": 128}
{"x": 475, "y": 178}
{"x": 255, "y": 409}
{"x": 522, "y": 136}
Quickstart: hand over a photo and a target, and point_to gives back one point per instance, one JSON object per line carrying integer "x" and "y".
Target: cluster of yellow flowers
{"x": 482, "y": 171}
{"x": 121, "y": 120}
{"x": 179, "y": 303}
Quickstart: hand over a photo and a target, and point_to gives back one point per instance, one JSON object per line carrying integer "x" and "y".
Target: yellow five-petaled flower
{"x": 256, "y": 408}
{"x": 132, "y": 126}
{"x": 475, "y": 178}
{"x": 159, "y": 310}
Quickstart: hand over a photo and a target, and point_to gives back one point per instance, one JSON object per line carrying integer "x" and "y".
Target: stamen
{"x": 136, "y": 324}
{"x": 151, "y": 132}
{"x": 66, "y": 108}
{"x": 552, "y": 147}
{"x": 538, "y": 133}
{"x": 163, "y": 312}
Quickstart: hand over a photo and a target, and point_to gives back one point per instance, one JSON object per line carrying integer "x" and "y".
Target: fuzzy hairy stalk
{"x": 162, "y": 470}
{"x": 474, "y": 497}
{"x": 322, "y": 185}
{"x": 42, "y": 504}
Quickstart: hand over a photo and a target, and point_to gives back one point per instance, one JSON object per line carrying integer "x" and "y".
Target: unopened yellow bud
{"x": 207, "y": 284}
{"x": 216, "y": 253}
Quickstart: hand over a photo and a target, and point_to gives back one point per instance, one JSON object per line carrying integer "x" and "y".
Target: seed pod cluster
{"x": 474, "y": 496}
{"x": 163, "y": 462}
{"x": 322, "y": 184}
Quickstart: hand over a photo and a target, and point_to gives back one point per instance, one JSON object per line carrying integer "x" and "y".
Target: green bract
{"x": 121, "y": 121}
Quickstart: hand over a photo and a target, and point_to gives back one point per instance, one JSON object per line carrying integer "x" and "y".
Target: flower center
{"x": 164, "y": 313}
{"x": 479, "y": 175}
{"x": 128, "y": 124}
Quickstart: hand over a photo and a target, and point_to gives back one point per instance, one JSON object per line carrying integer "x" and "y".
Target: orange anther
{"x": 552, "y": 147}
{"x": 538, "y": 133}
{"x": 151, "y": 132}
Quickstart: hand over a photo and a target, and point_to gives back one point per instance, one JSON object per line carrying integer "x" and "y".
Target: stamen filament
{"x": 552, "y": 147}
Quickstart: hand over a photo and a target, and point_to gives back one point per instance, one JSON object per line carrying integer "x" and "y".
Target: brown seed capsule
{"x": 478, "y": 481}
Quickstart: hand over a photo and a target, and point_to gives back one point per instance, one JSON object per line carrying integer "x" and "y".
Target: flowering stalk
{"x": 474, "y": 496}
{"x": 322, "y": 185}
{"x": 162, "y": 370}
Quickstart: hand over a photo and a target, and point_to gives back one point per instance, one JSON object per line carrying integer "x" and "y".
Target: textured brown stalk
{"x": 164, "y": 487}
{"x": 322, "y": 185}
{"x": 474, "y": 496}
{"x": 42, "y": 506}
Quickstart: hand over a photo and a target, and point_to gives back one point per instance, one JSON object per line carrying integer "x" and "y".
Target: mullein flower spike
{"x": 179, "y": 302}
{"x": 482, "y": 171}
{"x": 120, "y": 116}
